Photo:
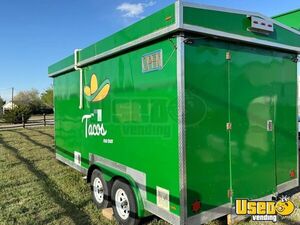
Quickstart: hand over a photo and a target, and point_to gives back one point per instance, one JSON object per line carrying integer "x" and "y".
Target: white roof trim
{"x": 180, "y": 26}
{"x": 146, "y": 38}
{"x": 238, "y": 37}
{"x": 236, "y": 11}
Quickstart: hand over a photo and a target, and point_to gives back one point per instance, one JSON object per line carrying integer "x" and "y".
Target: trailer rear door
{"x": 252, "y": 73}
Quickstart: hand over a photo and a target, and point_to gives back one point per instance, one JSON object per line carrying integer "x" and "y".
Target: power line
{"x": 12, "y": 97}
{"x": 8, "y": 94}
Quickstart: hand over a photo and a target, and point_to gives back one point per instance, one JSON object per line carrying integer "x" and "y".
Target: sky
{"x": 35, "y": 34}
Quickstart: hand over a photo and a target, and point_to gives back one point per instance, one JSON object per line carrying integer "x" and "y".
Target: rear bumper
{"x": 288, "y": 185}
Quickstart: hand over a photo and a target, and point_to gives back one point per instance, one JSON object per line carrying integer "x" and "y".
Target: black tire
{"x": 133, "y": 218}
{"x": 106, "y": 198}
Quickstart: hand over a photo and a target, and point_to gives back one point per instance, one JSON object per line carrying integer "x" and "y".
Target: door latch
{"x": 269, "y": 125}
{"x": 228, "y": 55}
{"x": 229, "y": 193}
{"x": 228, "y": 126}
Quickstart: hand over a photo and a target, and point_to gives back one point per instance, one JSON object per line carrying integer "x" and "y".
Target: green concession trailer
{"x": 292, "y": 19}
{"x": 182, "y": 113}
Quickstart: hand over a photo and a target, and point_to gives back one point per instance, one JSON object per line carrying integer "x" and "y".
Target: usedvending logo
{"x": 95, "y": 93}
{"x": 265, "y": 210}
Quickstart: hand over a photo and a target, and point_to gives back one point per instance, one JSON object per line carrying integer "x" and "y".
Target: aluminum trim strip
{"x": 210, "y": 215}
{"x": 265, "y": 198}
{"x": 236, "y": 11}
{"x": 287, "y": 185}
{"x": 285, "y": 26}
{"x": 67, "y": 69}
{"x": 179, "y": 26}
{"x": 179, "y": 14}
{"x": 167, "y": 216}
{"x": 137, "y": 176}
{"x": 170, "y": 29}
{"x": 221, "y": 34}
{"x": 221, "y": 9}
{"x": 71, "y": 164}
{"x": 297, "y": 124}
{"x": 220, "y": 211}
{"x": 147, "y": 38}
{"x": 181, "y": 127}
{"x": 150, "y": 37}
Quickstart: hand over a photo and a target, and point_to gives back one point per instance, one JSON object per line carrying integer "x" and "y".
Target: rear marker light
{"x": 196, "y": 206}
{"x": 293, "y": 174}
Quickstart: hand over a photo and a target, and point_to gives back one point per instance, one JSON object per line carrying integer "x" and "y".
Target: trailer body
{"x": 191, "y": 106}
{"x": 290, "y": 19}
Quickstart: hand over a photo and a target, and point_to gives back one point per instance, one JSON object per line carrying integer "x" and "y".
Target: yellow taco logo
{"x": 95, "y": 93}
{"x": 265, "y": 210}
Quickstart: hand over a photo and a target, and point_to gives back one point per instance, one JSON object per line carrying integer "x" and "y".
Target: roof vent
{"x": 260, "y": 25}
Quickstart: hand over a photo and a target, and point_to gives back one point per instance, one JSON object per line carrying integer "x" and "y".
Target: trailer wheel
{"x": 100, "y": 192}
{"x": 124, "y": 204}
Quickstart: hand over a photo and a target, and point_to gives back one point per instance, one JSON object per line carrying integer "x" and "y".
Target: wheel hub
{"x": 98, "y": 190}
{"x": 122, "y": 204}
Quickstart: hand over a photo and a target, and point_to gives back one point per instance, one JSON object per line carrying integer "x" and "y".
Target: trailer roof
{"x": 291, "y": 18}
{"x": 287, "y": 13}
{"x": 185, "y": 17}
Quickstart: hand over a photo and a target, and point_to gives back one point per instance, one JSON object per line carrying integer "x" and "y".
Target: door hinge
{"x": 188, "y": 41}
{"x": 296, "y": 59}
{"x": 228, "y": 126}
{"x": 228, "y": 55}
{"x": 230, "y": 193}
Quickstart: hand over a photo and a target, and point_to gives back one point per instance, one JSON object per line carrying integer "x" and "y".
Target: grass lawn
{"x": 36, "y": 189}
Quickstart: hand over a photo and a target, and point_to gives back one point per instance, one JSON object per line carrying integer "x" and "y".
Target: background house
{"x": 8, "y": 106}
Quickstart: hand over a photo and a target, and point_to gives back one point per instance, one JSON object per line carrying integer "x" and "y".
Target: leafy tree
{"x": 2, "y": 102}
{"x": 29, "y": 98}
{"x": 47, "y": 97}
{"x": 15, "y": 115}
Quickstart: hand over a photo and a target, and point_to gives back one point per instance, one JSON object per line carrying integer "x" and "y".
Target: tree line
{"x": 27, "y": 103}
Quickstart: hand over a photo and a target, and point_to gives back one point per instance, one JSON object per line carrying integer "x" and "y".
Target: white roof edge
{"x": 236, "y": 11}
{"x": 242, "y": 38}
{"x": 179, "y": 25}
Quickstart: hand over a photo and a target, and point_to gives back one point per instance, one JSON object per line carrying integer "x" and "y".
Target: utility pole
{"x": 12, "y": 97}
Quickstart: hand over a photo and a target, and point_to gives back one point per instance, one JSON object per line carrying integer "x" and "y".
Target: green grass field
{"x": 36, "y": 189}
